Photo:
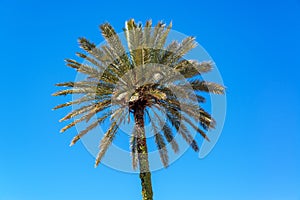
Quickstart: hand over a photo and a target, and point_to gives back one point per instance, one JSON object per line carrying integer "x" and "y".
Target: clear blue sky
{"x": 256, "y": 46}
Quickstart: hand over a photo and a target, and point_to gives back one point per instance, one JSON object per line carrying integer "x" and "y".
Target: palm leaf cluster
{"x": 147, "y": 73}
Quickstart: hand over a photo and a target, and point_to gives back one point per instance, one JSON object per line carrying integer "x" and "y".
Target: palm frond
{"x": 156, "y": 35}
{"x": 133, "y": 34}
{"x": 147, "y": 34}
{"x": 188, "y": 137}
{"x": 174, "y": 116}
{"x": 167, "y": 132}
{"x": 113, "y": 41}
{"x": 169, "y": 54}
{"x": 85, "y": 69}
{"x": 78, "y": 111}
{"x": 89, "y": 128}
{"x": 163, "y": 37}
{"x": 163, "y": 152}
{"x": 161, "y": 145}
{"x": 104, "y": 55}
{"x": 193, "y": 111}
{"x": 74, "y": 91}
{"x": 106, "y": 141}
{"x": 78, "y": 84}
{"x": 184, "y": 47}
{"x": 85, "y": 98}
{"x": 205, "y": 86}
{"x": 192, "y": 124}
{"x": 92, "y": 49}
{"x": 83, "y": 118}
{"x": 190, "y": 68}
{"x": 106, "y": 67}
{"x": 91, "y": 60}
{"x": 98, "y": 107}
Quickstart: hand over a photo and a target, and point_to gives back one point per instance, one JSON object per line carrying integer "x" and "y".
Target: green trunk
{"x": 145, "y": 174}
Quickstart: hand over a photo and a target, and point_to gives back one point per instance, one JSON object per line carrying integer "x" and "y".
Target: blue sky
{"x": 256, "y": 46}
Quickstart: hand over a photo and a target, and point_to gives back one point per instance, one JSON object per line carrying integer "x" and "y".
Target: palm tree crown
{"x": 129, "y": 81}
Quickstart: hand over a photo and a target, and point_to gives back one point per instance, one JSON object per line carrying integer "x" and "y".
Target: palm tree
{"x": 150, "y": 76}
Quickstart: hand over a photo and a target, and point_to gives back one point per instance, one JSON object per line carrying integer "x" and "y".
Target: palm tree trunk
{"x": 145, "y": 174}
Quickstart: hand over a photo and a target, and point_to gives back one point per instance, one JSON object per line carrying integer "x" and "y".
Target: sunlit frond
{"x": 98, "y": 107}
{"x": 205, "y": 86}
{"x": 106, "y": 141}
{"x": 89, "y": 128}
{"x": 160, "y": 41}
{"x": 85, "y": 98}
{"x": 114, "y": 41}
{"x": 78, "y": 111}
{"x": 190, "y": 68}
{"x": 83, "y": 68}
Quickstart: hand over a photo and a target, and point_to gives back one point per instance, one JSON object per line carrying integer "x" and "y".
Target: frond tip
{"x": 75, "y": 139}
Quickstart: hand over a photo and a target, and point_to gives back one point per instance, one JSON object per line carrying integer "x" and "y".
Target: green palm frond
{"x": 89, "y": 128}
{"x": 193, "y": 111}
{"x": 85, "y": 98}
{"x": 168, "y": 55}
{"x": 78, "y": 111}
{"x": 167, "y": 132}
{"x": 114, "y": 42}
{"x": 185, "y": 46}
{"x": 161, "y": 145}
{"x": 190, "y": 68}
{"x": 192, "y": 124}
{"x": 174, "y": 117}
{"x": 205, "y": 86}
{"x": 160, "y": 42}
{"x": 86, "y": 69}
{"x": 188, "y": 137}
{"x": 86, "y": 118}
{"x": 170, "y": 138}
